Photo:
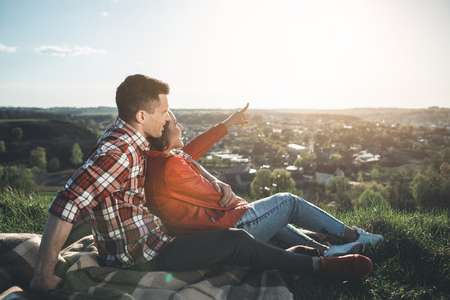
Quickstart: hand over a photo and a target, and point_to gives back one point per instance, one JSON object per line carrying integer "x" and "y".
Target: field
{"x": 412, "y": 263}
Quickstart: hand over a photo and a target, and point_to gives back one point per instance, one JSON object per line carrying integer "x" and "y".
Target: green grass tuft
{"x": 23, "y": 213}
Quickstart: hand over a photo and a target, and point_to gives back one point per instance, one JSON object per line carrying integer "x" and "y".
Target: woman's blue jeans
{"x": 272, "y": 217}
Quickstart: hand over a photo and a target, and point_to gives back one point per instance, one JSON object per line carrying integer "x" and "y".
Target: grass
{"x": 412, "y": 263}
{"x": 23, "y": 213}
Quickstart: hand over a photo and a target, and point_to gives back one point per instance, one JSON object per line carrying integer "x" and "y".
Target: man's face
{"x": 153, "y": 124}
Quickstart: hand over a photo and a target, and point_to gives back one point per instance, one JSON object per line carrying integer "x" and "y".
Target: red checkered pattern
{"x": 110, "y": 185}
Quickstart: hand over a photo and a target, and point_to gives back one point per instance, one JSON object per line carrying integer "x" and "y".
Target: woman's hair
{"x": 161, "y": 143}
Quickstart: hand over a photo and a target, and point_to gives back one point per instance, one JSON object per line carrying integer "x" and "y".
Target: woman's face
{"x": 174, "y": 134}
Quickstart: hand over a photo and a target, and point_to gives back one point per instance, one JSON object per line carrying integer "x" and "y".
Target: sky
{"x": 321, "y": 54}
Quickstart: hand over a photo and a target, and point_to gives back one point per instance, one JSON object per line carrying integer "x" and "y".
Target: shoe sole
{"x": 355, "y": 249}
{"x": 371, "y": 269}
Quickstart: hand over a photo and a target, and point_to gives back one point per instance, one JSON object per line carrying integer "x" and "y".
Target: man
{"x": 110, "y": 186}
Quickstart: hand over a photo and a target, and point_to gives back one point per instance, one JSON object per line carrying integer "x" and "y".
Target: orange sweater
{"x": 185, "y": 201}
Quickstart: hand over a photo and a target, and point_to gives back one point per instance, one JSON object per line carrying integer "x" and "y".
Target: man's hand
{"x": 228, "y": 196}
{"x": 55, "y": 234}
{"x": 237, "y": 118}
{"x": 40, "y": 285}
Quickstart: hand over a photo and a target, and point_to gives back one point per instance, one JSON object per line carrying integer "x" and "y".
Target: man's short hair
{"x": 139, "y": 92}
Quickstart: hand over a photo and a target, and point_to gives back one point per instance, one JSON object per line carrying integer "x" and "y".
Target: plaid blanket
{"x": 86, "y": 279}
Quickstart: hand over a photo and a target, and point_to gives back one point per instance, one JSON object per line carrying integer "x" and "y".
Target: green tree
{"x": 360, "y": 177}
{"x": 426, "y": 189}
{"x": 399, "y": 191}
{"x": 53, "y": 164}
{"x": 421, "y": 189}
{"x": 338, "y": 188}
{"x": 77, "y": 155}
{"x": 317, "y": 188}
{"x": 374, "y": 186}
{"x": 336, "y": 158}
{"x": 370, "y": 198}
{"x": 444, "y": 192}
{"x": 17, "y": 133}
{"x": 375, "y": 173}
{"x": 305, "y": 159}
{"x": 2, "y": 175}
{"x": 260, "y": 187}
{"x": 37, "y": 158}
{"x": 281, "y": 181}
{"x": 445, "y": 169}
{"x": 26, "y": 181}
{"x": 2, "y": 147}
{"x": 40, "y": 176}
{"x": 445, "y": 155}
{"x": 10, "y": 177}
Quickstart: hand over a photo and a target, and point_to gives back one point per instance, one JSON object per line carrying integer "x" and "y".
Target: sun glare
{"x": 276, "y": 50}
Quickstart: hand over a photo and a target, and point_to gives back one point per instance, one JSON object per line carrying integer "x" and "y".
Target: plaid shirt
{"x": 110, "y": 185}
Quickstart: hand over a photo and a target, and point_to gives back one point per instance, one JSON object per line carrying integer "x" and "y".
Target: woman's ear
{"x": 140, "y": 116}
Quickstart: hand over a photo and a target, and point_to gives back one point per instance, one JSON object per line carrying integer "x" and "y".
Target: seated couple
{"x": 110, "y": 186}
{"x": 188, "y": 201}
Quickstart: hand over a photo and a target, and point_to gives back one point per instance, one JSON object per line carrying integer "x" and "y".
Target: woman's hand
{"x": 237, "y": 118}
{"x": 228, "y": 196}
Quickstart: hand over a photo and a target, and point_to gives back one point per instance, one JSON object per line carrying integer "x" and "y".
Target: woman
{"x": 189, "y": 200}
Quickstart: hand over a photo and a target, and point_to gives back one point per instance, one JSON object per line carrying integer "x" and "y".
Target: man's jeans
{"x": 193, "y": 252}
{"x": 272, "y": 216}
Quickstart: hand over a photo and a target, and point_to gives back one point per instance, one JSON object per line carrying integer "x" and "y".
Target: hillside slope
{"x": 56, "y": 136}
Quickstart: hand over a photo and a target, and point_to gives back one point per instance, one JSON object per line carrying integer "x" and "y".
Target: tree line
{"x": 28, "y": 178}
{"x": 429, "y": 188}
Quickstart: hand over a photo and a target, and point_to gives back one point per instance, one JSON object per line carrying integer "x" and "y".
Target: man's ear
{"x": 140, "y": 116}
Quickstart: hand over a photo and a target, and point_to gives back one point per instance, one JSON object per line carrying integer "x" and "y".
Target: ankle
{"x": 355, "y": 233}
{"x": 350, "y": 234}
{"x": 317, "y": 265}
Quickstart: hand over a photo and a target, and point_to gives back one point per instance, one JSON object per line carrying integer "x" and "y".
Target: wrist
{"x": 227, "y": 123}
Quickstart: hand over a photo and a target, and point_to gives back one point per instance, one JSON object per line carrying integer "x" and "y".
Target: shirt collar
{"x": 141, "y": 142}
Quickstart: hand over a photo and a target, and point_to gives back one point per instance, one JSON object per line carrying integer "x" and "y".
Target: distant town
{"x": 328, "y": 157}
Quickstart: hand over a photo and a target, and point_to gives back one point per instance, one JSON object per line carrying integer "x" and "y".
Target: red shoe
{"x": 353, "y": 266}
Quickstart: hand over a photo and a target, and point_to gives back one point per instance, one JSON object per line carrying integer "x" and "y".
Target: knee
{"x": 285, "y": 195}
{"x": 240, "y": 235}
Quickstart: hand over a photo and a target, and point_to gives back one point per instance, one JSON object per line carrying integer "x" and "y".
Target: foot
{"x": 353, "y": 266}
{"x": 340, "y": 250}
{"x": 368, "y": 239}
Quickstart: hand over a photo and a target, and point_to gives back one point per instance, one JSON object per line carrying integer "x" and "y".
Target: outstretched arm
{"x": 203, "y": 142}
{"x": 228, "y": 196}
{"x": 55, "y": 234}
{"x": 238, "y": 118}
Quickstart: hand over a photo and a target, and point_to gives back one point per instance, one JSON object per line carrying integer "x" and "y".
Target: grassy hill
{"x": 412, "y": 263}
{"x": 56, "y": 136}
